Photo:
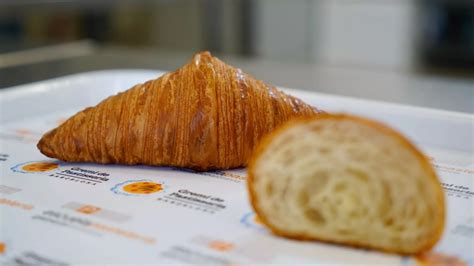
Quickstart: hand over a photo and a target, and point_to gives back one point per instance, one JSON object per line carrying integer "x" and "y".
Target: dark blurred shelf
{"x": 413, "y": 87}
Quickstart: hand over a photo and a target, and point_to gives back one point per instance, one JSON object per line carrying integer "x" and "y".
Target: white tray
{"x": 40, "y": 220}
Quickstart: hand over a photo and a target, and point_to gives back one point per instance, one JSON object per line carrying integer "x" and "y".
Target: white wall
{"x": 282, "y": 30}
{"x": 337, "y": 32}
{"x": 365, "y": 32}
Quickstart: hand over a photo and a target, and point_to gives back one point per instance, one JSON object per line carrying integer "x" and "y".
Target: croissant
{"x": 348, "y": 180}
{"x": 205, "y": 115}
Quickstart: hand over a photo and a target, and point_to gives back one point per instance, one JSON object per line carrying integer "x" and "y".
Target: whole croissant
{"x": 205, "y": 115}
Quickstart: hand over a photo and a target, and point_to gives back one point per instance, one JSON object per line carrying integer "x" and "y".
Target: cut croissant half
{"x": 205, "y": 115}
{"x": 349, "y": 180}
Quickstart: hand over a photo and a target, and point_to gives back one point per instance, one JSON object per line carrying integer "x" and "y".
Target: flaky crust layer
{"x": 205, "y": 115}
{"x": 264, "y": 144}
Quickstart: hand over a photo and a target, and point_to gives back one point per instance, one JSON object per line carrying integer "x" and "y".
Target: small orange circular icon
{"x": 220, "y": 245}
{"x": 143, "y": 188}
{"x": 39, "y": 167}
{"x": 88, "y": 209}
{"x": 2, "y": 247}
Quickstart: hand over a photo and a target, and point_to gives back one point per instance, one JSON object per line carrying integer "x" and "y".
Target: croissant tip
{"x": 43, "y": 145}
{"x": 203, "y": 56}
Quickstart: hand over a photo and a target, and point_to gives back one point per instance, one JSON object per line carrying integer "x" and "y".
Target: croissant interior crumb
{"x": 343, "y": 181}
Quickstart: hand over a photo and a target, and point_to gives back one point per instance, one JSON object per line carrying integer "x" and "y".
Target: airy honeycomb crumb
{"x": 347, "y": 180}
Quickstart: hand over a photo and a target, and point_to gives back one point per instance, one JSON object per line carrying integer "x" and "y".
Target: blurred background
{"x": 415, "y": 52}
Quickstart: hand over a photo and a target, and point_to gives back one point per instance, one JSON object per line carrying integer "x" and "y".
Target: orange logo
{"x": 2, "y": 248}
{"x": 143, "y": 187}
{"x": 39, "y": 167}
{"x": 220, "y": 245}
{"x": 88, "y": 209}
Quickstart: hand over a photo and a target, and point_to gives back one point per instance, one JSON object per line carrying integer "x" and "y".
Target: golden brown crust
{"x": 205, "y": 115}
{"x": 266, "y": 140}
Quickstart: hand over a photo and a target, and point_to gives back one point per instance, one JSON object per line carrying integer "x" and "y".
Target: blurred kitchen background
{"x": 414, "y": 52}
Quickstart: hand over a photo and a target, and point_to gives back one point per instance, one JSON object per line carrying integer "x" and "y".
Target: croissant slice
{"x": 348, "y": 180}
{"x": 205, "y": 115}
